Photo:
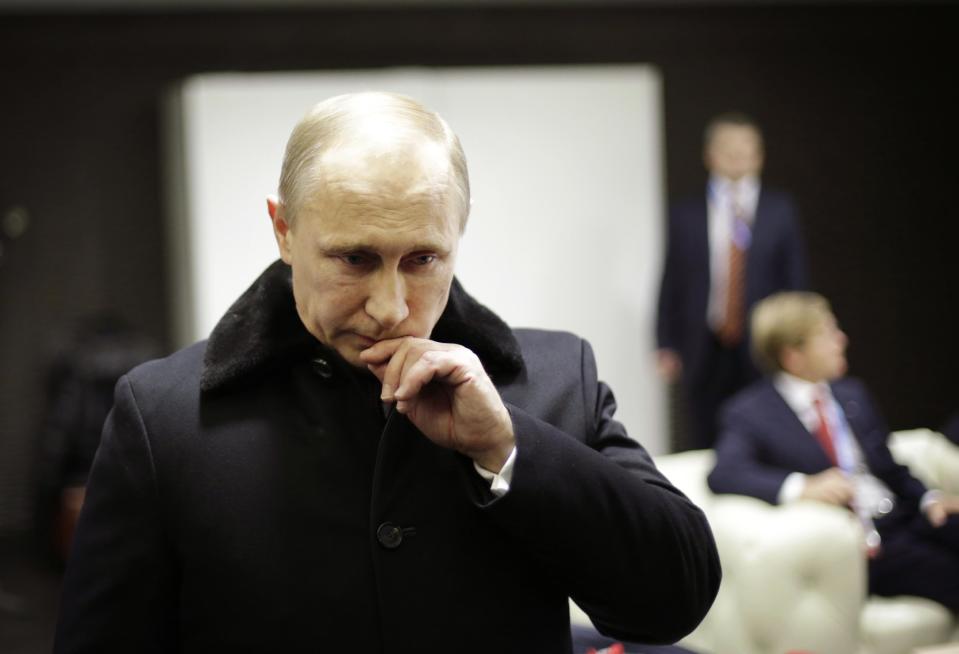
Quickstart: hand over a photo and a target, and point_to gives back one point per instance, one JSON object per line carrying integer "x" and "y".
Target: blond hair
{"x": 784, "y": 320}
{"x": 349, "y": 118}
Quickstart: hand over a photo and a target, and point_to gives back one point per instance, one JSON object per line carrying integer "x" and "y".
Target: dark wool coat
{"x": 252, "y": 494}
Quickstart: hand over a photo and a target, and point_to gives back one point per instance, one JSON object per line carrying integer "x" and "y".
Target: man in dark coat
{"x": 808, "y": 432}
{"x": 363, "y": 458}
{"x": 725, "y": 251}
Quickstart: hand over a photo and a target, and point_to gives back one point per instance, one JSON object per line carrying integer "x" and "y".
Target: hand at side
{"x": 938, "y": 510}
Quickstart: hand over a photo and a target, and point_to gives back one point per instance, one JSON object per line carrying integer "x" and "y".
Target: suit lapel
{"x": 803, "y": 443}
{"x": 760, "y": 231}
{"x": 852, "y": 411}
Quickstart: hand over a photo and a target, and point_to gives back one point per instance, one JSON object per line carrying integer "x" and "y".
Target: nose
{"x": 386, "y": 302}
{"x": 842, "y": 338}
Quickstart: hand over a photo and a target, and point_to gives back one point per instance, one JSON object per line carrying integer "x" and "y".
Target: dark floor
{"x": 29, "y": 589}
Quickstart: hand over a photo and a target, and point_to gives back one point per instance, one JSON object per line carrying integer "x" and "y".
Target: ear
{"x": 281, "y": 228}
{"x": 791, "y": 360}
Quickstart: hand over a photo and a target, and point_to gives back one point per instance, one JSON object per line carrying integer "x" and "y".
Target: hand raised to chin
{"x": 445, "y": 392}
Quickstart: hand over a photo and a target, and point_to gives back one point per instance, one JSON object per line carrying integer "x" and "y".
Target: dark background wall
{"x": 853, "y": 98}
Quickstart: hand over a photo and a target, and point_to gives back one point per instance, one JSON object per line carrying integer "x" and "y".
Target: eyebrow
{"x": 335, "y": 249}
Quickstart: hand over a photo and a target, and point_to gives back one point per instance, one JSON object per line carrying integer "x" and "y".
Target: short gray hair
{"x": 341, "y": 119}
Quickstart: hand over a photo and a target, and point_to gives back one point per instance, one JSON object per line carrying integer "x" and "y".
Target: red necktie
{"x": 823, "y": 433}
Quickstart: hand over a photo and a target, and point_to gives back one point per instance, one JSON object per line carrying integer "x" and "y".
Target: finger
{"x": 834, "y": 496}
{"x": 430, "y": 361}
{"x": 836, "y": 474}
{"x": 394, "y": 368}
{"x": 937, "y": 518}
{"x": 381, "y": 351}
{"x": 422, "y": 366}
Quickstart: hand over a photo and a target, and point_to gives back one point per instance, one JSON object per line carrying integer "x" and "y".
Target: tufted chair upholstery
{"x": 794, "y": 577}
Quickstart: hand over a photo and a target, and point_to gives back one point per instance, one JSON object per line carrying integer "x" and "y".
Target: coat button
{"x": 389, "y": 535}
{"x": 322, "y": 368}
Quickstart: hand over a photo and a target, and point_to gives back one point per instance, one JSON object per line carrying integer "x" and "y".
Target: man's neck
{"x": 745, "y": 180}
{"x": 799, "y": 376}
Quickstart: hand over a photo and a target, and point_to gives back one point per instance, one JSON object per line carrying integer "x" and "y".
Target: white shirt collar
{"x": 800, "y": 394}
{"x": 747, "y": 186}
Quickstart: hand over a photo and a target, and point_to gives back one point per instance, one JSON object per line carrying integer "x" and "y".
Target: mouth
{"x": 365, "y": 341}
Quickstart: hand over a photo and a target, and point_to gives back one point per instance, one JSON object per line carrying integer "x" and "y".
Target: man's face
{"x": 734, "y": 151}
{"x": 823, "y": 356}
{"x": 372, "y": 252}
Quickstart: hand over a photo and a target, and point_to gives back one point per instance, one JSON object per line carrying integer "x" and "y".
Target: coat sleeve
{"x": 594, "y": 511}
{"x": 117, "y": 590}
{"x": 740, "y": 467}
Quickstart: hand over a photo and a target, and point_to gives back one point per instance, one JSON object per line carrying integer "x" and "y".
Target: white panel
{"x": 565, "y": 166}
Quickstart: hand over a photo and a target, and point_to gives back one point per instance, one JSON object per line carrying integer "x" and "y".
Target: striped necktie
{"x": 730, "y": 332}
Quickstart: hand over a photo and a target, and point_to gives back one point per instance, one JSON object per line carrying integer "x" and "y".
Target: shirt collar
{"x": 748, "y": 186}
{"x": 799, "y": 393}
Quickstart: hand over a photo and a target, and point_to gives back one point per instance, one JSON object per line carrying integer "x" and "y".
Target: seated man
{"x": 807, "y": 432}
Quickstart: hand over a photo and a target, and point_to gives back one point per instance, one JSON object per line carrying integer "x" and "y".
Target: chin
{"x": 350, "y": 354}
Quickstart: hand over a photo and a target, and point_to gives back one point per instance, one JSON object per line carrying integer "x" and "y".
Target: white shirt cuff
{"x": 792, "y": 488}
{"x": 499, "y": 483}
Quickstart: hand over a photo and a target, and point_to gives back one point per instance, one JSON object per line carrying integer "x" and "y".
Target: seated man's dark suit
{"x": 252, "y": 494}
{"x": 762, "y": 441}
{"x": 776, "y": 261}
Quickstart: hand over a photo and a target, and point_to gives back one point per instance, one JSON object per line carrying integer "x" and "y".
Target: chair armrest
{"x": 794, "y": 578}
{"x": 931, "y": 457}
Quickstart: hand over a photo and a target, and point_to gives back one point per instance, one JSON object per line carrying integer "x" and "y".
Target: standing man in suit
{"x": 809, "y": 433}
{"x": 725, "y": 251}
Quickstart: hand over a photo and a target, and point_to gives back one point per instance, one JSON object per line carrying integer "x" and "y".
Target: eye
{"x": 354, "y": 259}
{"x": 422, "y": 259}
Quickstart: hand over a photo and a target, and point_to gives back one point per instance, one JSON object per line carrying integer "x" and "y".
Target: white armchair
{"x": 794, "y": 577}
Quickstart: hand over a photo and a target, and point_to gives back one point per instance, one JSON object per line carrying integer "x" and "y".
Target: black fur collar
{"x": 262, "y": 331}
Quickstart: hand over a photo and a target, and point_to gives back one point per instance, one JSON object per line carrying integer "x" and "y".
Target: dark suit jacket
{"x": 251, "y": 494}
{"x": 776, "y": 262}
{"x": 761, "y": 441}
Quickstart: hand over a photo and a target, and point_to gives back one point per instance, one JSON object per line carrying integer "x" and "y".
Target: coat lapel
{"x": 760, "y": 231}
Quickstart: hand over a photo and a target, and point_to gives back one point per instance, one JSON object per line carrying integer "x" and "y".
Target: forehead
{"x": 726, "y": 136}
{"x": 376, "y": 175}
{"x": 823, "y": 324}
{"x": 364, "y": 215}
